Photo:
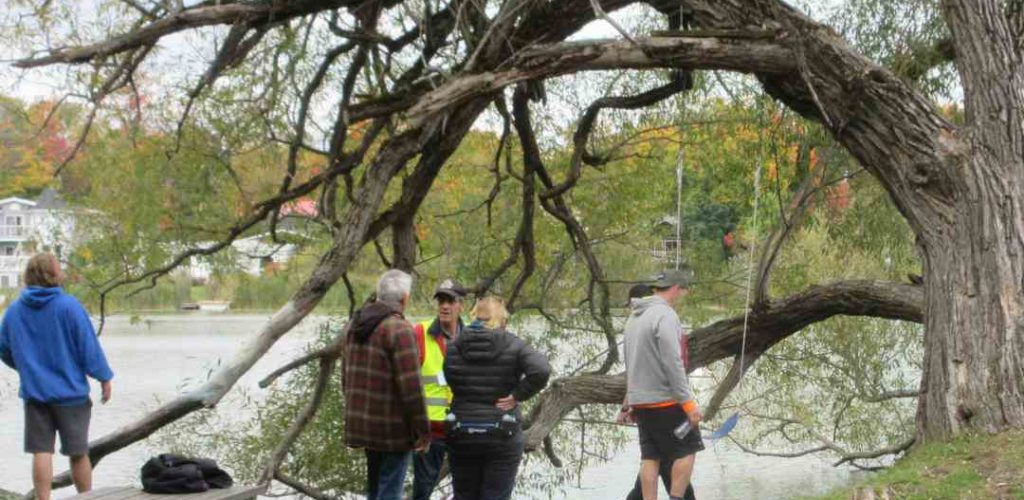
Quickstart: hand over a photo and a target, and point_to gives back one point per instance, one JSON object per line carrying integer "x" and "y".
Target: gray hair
{"x": 393, "y": 286}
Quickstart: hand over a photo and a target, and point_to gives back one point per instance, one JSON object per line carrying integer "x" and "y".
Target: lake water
{"x": 157, "y": 357}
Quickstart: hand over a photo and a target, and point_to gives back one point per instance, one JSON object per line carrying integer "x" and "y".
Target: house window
{"x": 5, "y": 282}
{"x": 9, "y": 251}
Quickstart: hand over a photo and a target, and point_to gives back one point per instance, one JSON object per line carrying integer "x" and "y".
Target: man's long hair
{"x": 43, "y": 270}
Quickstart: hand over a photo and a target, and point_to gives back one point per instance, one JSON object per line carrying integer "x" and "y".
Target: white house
{"x": 48, "y": 225}
{"x": 254, "y": 255}
{"x": 27, "y": 227}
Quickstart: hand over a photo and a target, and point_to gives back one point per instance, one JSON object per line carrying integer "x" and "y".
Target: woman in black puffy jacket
{"x": 490, "y": 372}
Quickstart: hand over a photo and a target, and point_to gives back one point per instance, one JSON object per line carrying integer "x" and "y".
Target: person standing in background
{"x": 490, "y": 371}
{"x": 658, "y": 395}
{"x": 47, "y": 337}
{"x": 385, "y": 412}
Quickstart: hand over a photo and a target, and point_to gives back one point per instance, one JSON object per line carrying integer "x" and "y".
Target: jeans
{"x": 487, "y": 474}
{"x": 385, "y": 474}
{"x": 425, "y": 467}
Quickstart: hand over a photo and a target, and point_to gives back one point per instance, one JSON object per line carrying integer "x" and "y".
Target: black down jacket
{"x": 173, "y": 474}
{"x": 483, "y": 365}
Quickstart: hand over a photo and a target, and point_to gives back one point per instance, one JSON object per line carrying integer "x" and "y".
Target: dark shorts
{"x": 43, "y": 421}
{"x": 657, "y": 442}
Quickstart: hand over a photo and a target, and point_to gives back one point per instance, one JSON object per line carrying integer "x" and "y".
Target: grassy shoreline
{"x": 970, "y": 467}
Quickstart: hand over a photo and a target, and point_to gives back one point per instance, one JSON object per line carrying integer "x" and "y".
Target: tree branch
{"x": 738, "y": 54}
{"x": 777, "y": 321}
{"x": 892, "y": 450}
{"x": 194, "y": 17}
{"x": 556, "y": 206}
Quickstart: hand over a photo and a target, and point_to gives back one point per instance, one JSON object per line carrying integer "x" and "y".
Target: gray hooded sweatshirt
{"x": 654, "y": 365}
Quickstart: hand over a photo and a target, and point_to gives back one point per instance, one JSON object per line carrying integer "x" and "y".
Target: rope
{"x": 679, "y": 197}
{"x": 753, "y": 247}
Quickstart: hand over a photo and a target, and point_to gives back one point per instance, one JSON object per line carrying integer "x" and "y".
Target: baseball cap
{"x": 451, "y": 289}
{"x": 639, "y": 290}
{"x": 665, "y": 279}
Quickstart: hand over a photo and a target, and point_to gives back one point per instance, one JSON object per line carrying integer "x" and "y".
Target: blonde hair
{"x": 491, "y": 311}
{"x": 43, "y": 270}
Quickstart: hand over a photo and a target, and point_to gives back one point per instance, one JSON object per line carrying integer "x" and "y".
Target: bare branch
{"x": 892, "y": 450}
{"x": 794, "y": 454}
{"x": 556, "y": 206}
{"x": 117, "y": 80}
{"x": 589, "y": 118}
{"x": 731, "y": 380}
{"x": 798, "y": 209}
{"x": 301, "y": 421}
{"x": 739, "y": 54}
{"x": 304, "y": 489}
{"x": 601, "y": 14}
{"x": 890, "y": 395}
{"x": 195, "y": 17}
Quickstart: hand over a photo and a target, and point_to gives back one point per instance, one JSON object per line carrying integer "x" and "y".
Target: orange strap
{"x": 687, "y": 406}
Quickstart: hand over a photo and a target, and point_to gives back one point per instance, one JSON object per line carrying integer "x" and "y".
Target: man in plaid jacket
{"x": 385, "y": 410}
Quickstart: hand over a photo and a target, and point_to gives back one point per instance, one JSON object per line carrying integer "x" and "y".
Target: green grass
{"x": 970, "y": 467}
{"x": 8, "y": 495}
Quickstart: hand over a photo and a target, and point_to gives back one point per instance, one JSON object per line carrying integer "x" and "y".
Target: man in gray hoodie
{"x": 658, "y": 394}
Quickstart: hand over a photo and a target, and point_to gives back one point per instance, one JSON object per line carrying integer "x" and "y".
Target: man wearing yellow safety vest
{"x": 432, "y": 337}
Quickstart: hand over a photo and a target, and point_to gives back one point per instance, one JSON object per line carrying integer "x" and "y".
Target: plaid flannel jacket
{"x": 384, "y": 403}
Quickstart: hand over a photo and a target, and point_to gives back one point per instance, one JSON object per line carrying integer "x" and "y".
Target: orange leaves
{"x": 33, "y": 143}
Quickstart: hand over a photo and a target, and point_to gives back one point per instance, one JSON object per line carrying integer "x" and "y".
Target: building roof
{"x": 50, "y": 199}
{"x": 14, "y": 199}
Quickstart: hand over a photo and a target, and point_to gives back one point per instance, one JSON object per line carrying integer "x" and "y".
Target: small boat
{"x": 213, "y": 305}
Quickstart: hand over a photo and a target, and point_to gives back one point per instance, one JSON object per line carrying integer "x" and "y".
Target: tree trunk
{"x": 961, "y": 190}
{"x": 974, "y": 343}
{"x": 974, "y": 265}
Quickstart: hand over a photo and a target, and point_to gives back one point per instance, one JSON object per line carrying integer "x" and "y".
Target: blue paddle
{"x": 725, "y": 428}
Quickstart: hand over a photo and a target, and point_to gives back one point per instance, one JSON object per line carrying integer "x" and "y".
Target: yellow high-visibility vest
{"x": 438, "y": 393}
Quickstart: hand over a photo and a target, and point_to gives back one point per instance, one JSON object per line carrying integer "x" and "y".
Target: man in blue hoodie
{"x": 46, "y": 336}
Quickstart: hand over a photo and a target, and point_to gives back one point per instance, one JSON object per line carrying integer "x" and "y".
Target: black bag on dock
{"x": 172, "y": 474}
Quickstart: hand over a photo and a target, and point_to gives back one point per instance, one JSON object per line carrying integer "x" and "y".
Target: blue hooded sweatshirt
{"x": 47, "y": 337}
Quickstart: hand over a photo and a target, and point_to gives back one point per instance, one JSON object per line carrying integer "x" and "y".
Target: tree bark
{"x": 974, "y": 265}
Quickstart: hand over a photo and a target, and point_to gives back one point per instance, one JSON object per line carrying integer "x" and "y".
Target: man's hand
{"x": 625, "y": 416}
{"x": 106, "y": 388}
{"x": 506, "y": 403}
{"x": 695, "y": 417}
{"x": 422, "y": 444}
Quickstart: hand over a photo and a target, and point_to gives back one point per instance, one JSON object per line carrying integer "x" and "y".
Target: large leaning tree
{"x": 411, "y": 77}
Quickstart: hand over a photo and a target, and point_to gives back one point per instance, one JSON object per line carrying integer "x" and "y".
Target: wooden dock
{"x": 130, "y": 493}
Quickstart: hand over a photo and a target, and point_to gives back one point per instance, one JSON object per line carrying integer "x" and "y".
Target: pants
{"x": 665, "y": 471}
{"x": 487, "y": 473}
{"x": 426, "y": 467}
{"x": 385, "y": 474}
